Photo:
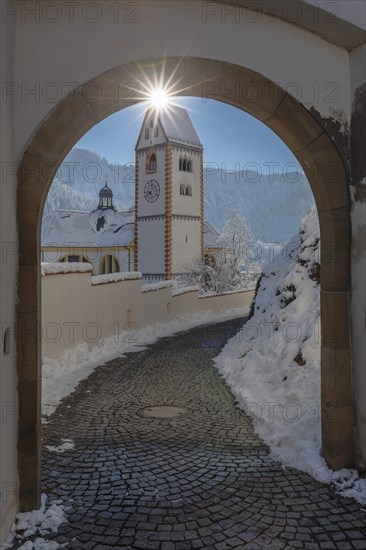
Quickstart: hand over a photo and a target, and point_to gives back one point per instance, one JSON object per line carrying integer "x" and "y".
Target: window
{"x": 74, "y": 258}
{"x": 151, "y": 124}
{"x": 147, "y": 133}
{"x": 185, "y": 165}
{"x": 152, "y": 163}
{"x": 186, "y": 190}
{"x": 156, "y": 131}
{"x": 109, "y": 264}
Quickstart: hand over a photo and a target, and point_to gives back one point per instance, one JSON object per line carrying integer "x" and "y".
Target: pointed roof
{"x": 176, "y": 125}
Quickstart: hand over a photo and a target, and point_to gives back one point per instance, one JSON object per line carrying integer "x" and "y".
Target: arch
{"x": 182, "y": 189}
{"x": 323, "y": 166}
{"x": 108, "y": 264}
{"x": 74, "y": 258}
{"x": 189, "y": 190}
{"x": 151, "y": 162}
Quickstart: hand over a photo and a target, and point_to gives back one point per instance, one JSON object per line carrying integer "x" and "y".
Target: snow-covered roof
{"x": 65, "y": 227}
{"x": 69, "y": 227}
{"x": 210, "y": 236}
{"x": 178, "y": 126}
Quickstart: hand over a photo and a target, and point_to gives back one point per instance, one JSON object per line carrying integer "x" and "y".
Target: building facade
{"x": 169, "y": 225}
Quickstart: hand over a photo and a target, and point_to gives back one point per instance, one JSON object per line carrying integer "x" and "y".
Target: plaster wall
{"x": 186, "y": 243}
{"x": 313, "y": 70}
{"x": 74, "y": 311}
{"x": 151, "y": 246}
{"x": 358, "y": 248}
{"x": 8, "y": 278}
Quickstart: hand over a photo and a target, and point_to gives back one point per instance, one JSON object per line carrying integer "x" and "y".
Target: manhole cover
{"x": 162, "y": 411}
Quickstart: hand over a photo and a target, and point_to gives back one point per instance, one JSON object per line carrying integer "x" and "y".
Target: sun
{"x": 159, "y": 98}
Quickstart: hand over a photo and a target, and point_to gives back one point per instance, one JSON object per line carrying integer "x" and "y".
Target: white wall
{"x": 184, "y": 252}
{"x": 75, "y": 311}
{"x": 302, "y": 59}
{"x": 8, "y": 235}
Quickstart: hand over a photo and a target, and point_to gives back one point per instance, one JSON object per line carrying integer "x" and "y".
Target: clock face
{"x": 152, "y": 191}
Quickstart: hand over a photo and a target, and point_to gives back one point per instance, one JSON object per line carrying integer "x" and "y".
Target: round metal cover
{"x": 162, "y": 412}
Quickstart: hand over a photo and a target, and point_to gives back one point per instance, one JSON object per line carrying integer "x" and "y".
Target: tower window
{"x": 151, "y": 124}
{"x": 182, "y": 189}
{"x": 156, "y": 131}
{"x": 147, "y": 133}
{"x": 189, "y": 190}
{"x": 151, "y": 163}
{"x": 185, "y": 165}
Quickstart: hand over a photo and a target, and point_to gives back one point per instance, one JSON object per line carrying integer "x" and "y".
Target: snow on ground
{"x": 273, "y": 364}
{"x": 44, "y": 521}
{"x": 67, "y": 445}
{"x": 61, "y": 376}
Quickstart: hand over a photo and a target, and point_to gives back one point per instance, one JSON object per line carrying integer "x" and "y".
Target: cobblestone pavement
{"x": 202, "y": 480}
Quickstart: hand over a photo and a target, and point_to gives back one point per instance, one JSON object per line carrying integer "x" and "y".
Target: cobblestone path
{"x": 202, "y": 480}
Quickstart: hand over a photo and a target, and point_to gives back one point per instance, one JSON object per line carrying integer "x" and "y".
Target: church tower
{"x": 169, "y": 194}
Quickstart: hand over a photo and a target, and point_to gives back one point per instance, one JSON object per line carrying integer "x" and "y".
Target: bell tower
{"x": 169, "y": 194}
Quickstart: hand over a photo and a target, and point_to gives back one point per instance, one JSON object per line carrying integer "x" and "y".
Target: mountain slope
{"x": 272, "y": 206}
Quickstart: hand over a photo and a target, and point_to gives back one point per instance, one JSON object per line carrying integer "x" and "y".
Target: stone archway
{"x": 244, "y": 89}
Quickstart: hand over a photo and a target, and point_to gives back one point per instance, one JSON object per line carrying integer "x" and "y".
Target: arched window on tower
{"x": 189, "y": 190}
{"x": 180, "y": 164}
{"x": 151, "y": 124}
{"x": 190, "y": 166}
{"x": 185, "y": 165}
{"x": 182, "y": 189}
{"x": 156, "y": 131}
{"x": 152, "y": 163}
{"x": 147, "y": 133}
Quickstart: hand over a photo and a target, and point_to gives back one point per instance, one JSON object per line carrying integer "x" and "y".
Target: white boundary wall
{"x": 76, "y": 310}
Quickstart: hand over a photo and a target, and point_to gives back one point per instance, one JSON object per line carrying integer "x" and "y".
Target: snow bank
{"x": 151, "y": 287}
{"x": 115, "y": 277}
{"x": 273, "y": 364}
{"x": 61, "y": 376}
{"x": 44, "y": 521}
{"x": 53, "y": 268}
{"x": 67, "y": 445}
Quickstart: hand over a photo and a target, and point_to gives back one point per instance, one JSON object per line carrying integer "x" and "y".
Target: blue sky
{"x": 229, "y": 136}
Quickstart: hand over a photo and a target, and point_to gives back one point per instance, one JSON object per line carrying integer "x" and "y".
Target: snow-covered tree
{"x": 232, "y": 266}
